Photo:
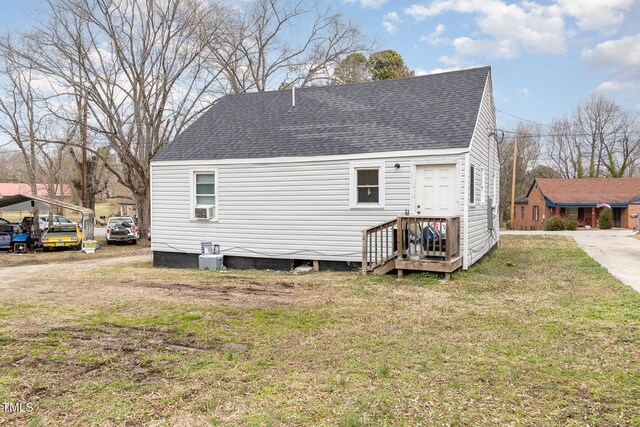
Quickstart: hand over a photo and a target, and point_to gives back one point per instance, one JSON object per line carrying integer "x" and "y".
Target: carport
{"x": 23, "y": 202}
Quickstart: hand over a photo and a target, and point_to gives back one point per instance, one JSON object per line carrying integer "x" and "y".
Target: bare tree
{"x": 97, "y": 174}
{"x": 565, "y": 150}
{"x": 600, "y": 140}
{"x": 258, "y": 54}
{"x": 595, "y": 121}
{"x": 143, "y": 67}
{"x": 622, "y": 147}
{"x": 19, "y": 118}
{"x": 28, "y": 124}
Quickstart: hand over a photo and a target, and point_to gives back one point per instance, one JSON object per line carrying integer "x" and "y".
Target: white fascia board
{"x": 309, "y": 159}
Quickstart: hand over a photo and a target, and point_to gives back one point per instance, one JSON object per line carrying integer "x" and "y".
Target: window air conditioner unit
{"x": 204, "y": 213}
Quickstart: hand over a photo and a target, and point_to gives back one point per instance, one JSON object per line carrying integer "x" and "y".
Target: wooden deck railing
{"x": 379, "y": 246}
{"x": 429, "y": 237}
{"x": 411, "y": 240}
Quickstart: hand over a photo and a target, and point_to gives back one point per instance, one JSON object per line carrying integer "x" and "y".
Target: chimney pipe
{"x": 293, "y": 96}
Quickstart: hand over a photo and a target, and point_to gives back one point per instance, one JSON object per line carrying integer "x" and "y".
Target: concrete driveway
{"x": 616, "y": 250}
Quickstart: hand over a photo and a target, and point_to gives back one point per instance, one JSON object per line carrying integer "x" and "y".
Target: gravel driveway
{"x": 616, "y": 250}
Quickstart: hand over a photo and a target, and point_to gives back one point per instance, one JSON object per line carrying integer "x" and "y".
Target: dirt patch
{"x": 132, "y": 278}
{"x": 95, "y": 353}
{"x": 38, "y": 257}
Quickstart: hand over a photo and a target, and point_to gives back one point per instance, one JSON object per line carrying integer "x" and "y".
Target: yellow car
{"x": 62, "y": 236}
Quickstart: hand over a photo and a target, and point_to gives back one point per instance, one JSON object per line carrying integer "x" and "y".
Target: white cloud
{"x": 510, "y": 28}
{"x": 373, "y": 4}
{"x": 449, "y": 60}
{"x": 434, "y": 37}
{"x": 589, "y": 14}
{"x": 390, "y": 21}
{"x": 437, "y": 70}
{"x": 614, "y": 85}
{"x": 524, "y": 92}
{"x": 437, "y": 7}
{"x": 443, "y": 70}
{"x": 389, "y": 27}
{"x": 622, "y": 56}
{"x": 507, "y": 29}
{"x": 392, "y": 16}
{"x": 596, "y": 14}
{"x": 505, "y": 49}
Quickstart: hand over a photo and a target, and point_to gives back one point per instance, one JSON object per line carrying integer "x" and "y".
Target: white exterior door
{"x": 436, "y": 190}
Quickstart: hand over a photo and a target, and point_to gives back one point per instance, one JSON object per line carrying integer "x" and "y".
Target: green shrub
{"x": 555, "y": 223}
{"x": 605, "y": 219}
{"x": 572, "y": 224}
{"x": 558, "y": 223}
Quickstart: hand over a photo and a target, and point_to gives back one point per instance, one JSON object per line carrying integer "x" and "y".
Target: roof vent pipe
{"x": 293, "y": 96}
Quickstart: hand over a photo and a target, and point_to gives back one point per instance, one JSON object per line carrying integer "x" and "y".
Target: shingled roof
{"x": 589, "y": 190}
{"x": 416, "y": 113}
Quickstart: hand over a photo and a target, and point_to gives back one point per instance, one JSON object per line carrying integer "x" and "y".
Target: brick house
{"x": 579, "y": 199}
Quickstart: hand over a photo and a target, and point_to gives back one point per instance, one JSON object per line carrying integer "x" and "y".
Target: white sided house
{"x": 393, "y": 174}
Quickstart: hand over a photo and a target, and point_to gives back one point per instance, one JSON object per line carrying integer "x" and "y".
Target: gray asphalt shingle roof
{"x": 416, "y": 113}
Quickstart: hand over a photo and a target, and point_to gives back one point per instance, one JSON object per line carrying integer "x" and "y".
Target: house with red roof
{"x": 580, "y": 199}
{"x": 15, "y": 188}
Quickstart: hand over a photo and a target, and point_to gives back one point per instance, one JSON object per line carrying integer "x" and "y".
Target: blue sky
{"x": 546, "y": 56}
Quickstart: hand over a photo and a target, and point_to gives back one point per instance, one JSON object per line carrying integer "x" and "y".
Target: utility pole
{"x": 513, "y": 180}
{"x": 84, "y": 152}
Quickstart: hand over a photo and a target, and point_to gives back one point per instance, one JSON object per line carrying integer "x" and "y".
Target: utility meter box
{"x": 210, "y": 262}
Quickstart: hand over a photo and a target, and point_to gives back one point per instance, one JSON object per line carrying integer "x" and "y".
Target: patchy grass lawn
{"x": 9, "y": 259}
{"x": 535, "y": 334}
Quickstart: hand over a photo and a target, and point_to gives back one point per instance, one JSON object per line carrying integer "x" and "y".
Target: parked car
{"x": 3, "y": 221}
{"x": 27, "y": 221}
{"x": 62, "y": 236}
{"x": 7, "y": 231}
{"x": 122, "y": 229}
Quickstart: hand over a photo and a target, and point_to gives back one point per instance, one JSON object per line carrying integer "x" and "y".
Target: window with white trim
{"x": 204, "y": 191}
{"x": 367, "y": 185}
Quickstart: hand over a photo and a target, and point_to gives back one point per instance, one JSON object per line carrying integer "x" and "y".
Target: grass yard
{"x": 536, "y": 334}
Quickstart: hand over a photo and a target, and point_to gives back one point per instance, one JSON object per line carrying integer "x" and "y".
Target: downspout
{"x": 465, "y": 259}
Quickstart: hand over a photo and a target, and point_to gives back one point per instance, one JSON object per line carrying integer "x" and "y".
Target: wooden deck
{"x": 411, "y": 242}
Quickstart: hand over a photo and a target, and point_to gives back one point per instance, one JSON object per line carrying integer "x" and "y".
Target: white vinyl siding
{"x": 484, "y": 155}
{"x": 290, "y": 210}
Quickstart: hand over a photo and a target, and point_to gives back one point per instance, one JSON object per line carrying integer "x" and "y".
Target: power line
{"x": 523, "y": 119}
{"x": 543, "y": 135}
